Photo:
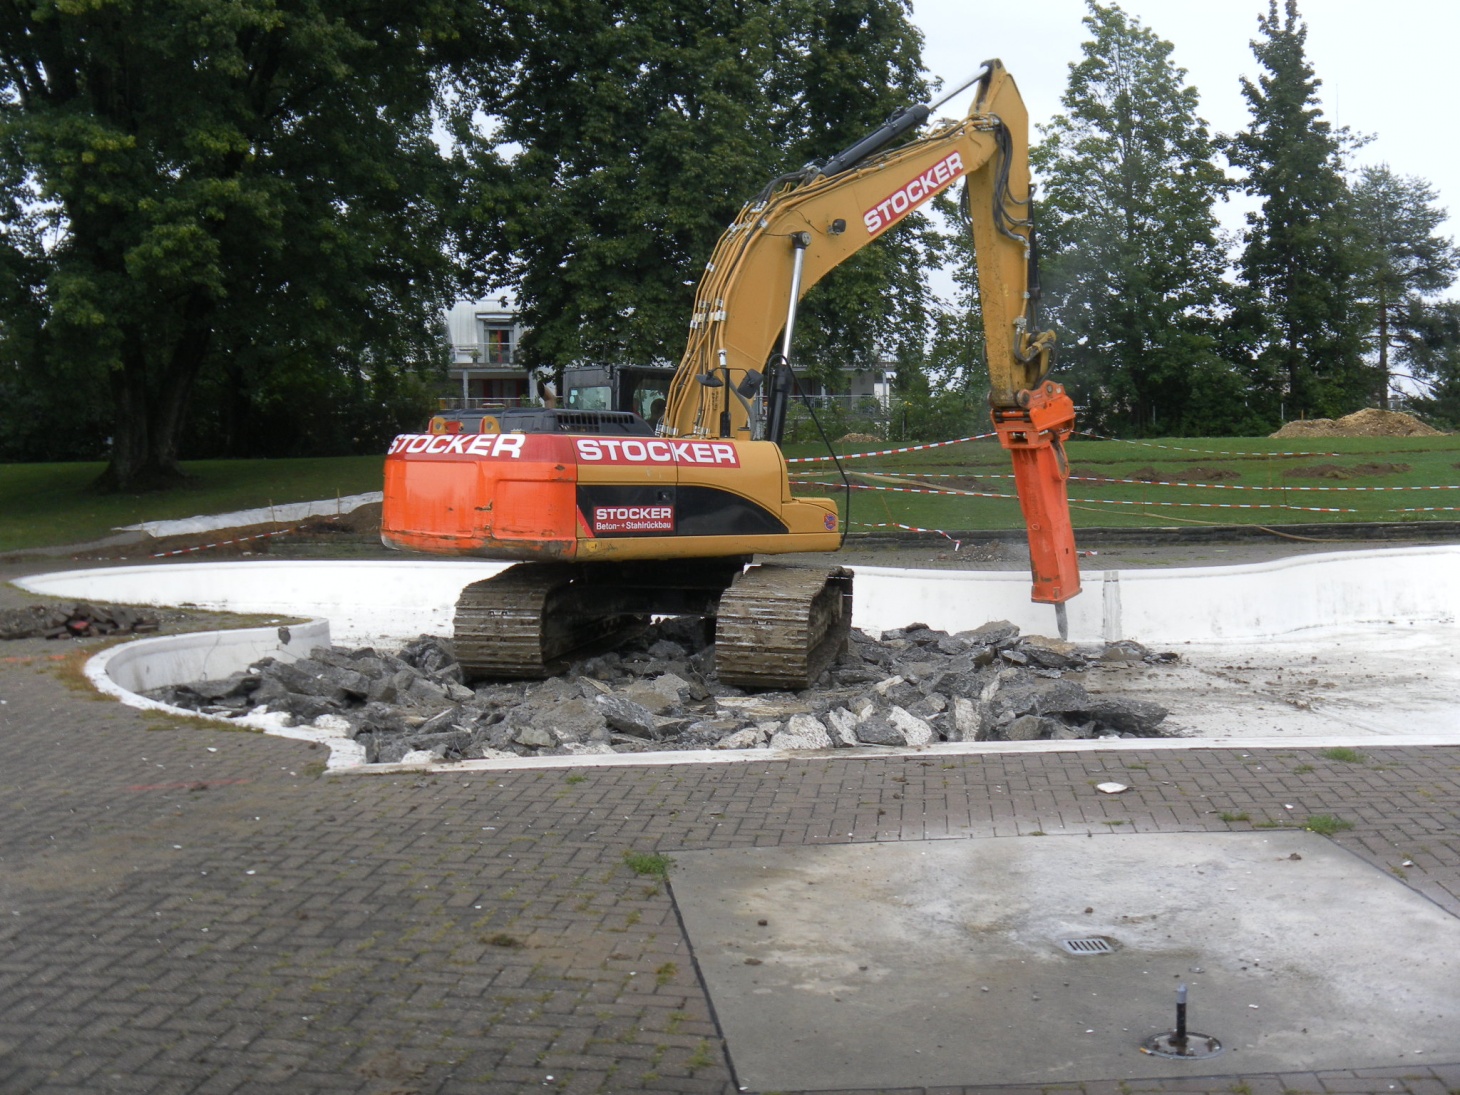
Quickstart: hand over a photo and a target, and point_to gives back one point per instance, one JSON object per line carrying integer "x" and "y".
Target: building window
{"x": 497, "y": 344}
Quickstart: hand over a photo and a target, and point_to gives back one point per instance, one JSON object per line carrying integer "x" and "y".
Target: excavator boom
{"x": 805, "y": 225}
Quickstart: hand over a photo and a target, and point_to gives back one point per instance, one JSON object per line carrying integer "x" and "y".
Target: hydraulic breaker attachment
{"x": 1034, "y": 432}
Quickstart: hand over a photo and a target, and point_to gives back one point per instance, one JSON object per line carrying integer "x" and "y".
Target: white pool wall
{"x": 383, "y": 602}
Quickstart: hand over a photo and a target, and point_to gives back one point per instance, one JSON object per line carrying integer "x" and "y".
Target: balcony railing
{"x": 478, "y": 356}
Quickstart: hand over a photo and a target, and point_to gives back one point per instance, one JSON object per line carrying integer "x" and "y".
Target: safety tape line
{"x": 887, "y": 452}
{"x": 1101, "y": 501}
{"x": 1213, "y": 505}
{"x": 909, "y": 528}
{"x": 1204, "y": 452}
{"x": 899, "y": 490}
{"x": 222, "y": 543}
{"x": 1424, "y": 509}
{"x": 1151, "y": 482}
{"x": 1234, "y": 486}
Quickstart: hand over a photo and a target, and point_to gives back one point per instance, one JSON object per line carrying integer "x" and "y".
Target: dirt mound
{"x": 1334, "y": 471}
{"x": 363, "y": 520}
{"x": 1203, "y": 474}
{"x": 858, "y": 439}
{"x": 1369, "y": 422}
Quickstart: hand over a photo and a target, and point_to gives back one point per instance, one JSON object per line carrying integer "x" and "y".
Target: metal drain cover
{"x": 1089, "y": 944}
{"x": 1184, "y": 1047}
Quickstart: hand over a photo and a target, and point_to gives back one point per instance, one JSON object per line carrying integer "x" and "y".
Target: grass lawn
{"x": 1120, "y": 483}
{"x": 45, "y": 504}
{"x": 1113, "y": 484}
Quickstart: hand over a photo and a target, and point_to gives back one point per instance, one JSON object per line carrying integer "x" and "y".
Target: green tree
{"x": 1406, "y": 262}
{"x": 1431, "y": 341}
{"x": 631, "y": 133}
{"x": 250, "y": 183}
{"x": 1300, "y": 265}
{"x": 1133, "y": 268}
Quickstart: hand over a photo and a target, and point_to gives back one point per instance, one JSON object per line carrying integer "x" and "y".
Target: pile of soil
{"x": 1201, "y": 474}
{"x": 1334, "y": 471}
{"x": 1369, "y": 422}
{"x": 859, "y": 439}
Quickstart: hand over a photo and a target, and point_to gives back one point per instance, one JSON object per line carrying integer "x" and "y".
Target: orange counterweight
{"x": 1034, "y": 432}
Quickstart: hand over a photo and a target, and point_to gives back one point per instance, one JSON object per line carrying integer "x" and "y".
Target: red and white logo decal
{"x": 629, "y": 450}
{"x": 611, "y": 519}
{"x": 912, "y": 194}
{"x": 494, "y": 445}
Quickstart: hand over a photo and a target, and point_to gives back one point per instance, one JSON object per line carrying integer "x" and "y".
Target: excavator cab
{"x": 629, "y": 388}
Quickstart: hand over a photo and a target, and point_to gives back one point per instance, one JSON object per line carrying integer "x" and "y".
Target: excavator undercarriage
{"x": 775, "y": 626}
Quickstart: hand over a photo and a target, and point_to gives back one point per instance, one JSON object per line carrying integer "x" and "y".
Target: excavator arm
{"x": 804, "y": 225}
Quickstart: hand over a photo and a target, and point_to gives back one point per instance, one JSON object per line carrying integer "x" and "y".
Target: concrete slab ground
{"x": 911, "y": 964}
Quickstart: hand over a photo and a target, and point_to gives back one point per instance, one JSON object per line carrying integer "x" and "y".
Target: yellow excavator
{"x": 613, "y": 520}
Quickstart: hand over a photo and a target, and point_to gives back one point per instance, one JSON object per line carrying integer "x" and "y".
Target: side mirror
{"x": 751, "y": 384}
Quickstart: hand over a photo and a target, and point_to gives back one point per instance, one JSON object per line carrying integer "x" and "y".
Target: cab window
{"x": 589, "y": 399}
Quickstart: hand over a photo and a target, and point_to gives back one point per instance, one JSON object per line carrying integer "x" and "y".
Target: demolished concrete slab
{"x": 909, "y": 687}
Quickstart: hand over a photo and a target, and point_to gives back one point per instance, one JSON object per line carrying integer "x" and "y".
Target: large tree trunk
{"x": 151, "y": 404}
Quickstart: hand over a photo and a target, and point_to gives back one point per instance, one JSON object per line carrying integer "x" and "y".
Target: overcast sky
{"x": 1387, "y": 67}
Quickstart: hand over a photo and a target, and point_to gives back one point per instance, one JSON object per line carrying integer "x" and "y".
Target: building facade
{"x": 484, "y": 368}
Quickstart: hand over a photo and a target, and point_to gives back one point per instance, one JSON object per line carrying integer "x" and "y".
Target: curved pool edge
{"x": 124, "y": 672}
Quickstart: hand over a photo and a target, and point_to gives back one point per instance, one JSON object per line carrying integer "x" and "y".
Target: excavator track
{"x": 779, "y": 627}
{"x": 526, "y": 620}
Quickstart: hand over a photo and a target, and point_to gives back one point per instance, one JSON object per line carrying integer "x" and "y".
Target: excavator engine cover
{"x": 560, "y": 496}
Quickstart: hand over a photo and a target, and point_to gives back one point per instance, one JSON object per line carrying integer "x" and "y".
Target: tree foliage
{"x": 1133, "y": 267}
{"x": 632, "y": 132}
{"x": 1300, "y": 264}
{"x": 1432, "y": 351}
{"x": 225, "y": 191}
{"x": 1406, "y": 262}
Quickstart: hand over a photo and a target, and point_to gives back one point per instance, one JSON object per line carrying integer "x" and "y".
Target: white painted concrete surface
{"x": 1307, "y": 594}
{"x": 381, "y": 601}
{"x": 1336, "y": 649}
{"x": 212, "y": 655}
{"x": 367, "y": 603}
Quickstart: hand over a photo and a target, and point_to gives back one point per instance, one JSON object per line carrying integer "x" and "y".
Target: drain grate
{"x": 1090, "y": 944}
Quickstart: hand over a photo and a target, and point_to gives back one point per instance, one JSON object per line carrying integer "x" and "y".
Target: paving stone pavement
{"x": 186, "y": 909}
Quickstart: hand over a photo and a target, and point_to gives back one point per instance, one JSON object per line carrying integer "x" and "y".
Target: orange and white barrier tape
{"x": 1211, "y": 505}
{"x": 1204, "y": 452}
{"x": 887, "y": 452}
{"x": 909, "y": 528}
{"x": 222, "y": 543}
{"x": 899, "y": 490}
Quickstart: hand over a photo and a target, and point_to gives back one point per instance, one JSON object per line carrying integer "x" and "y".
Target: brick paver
{"x": 198, "y": 911}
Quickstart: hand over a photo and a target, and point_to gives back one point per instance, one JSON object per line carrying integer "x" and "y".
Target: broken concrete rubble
{"x": 911, "y": 687}
{"x": 77, "y": 621}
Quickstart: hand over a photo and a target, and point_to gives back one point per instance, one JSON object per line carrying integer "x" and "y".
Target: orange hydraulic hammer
{"x": 1034, "y": 432}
